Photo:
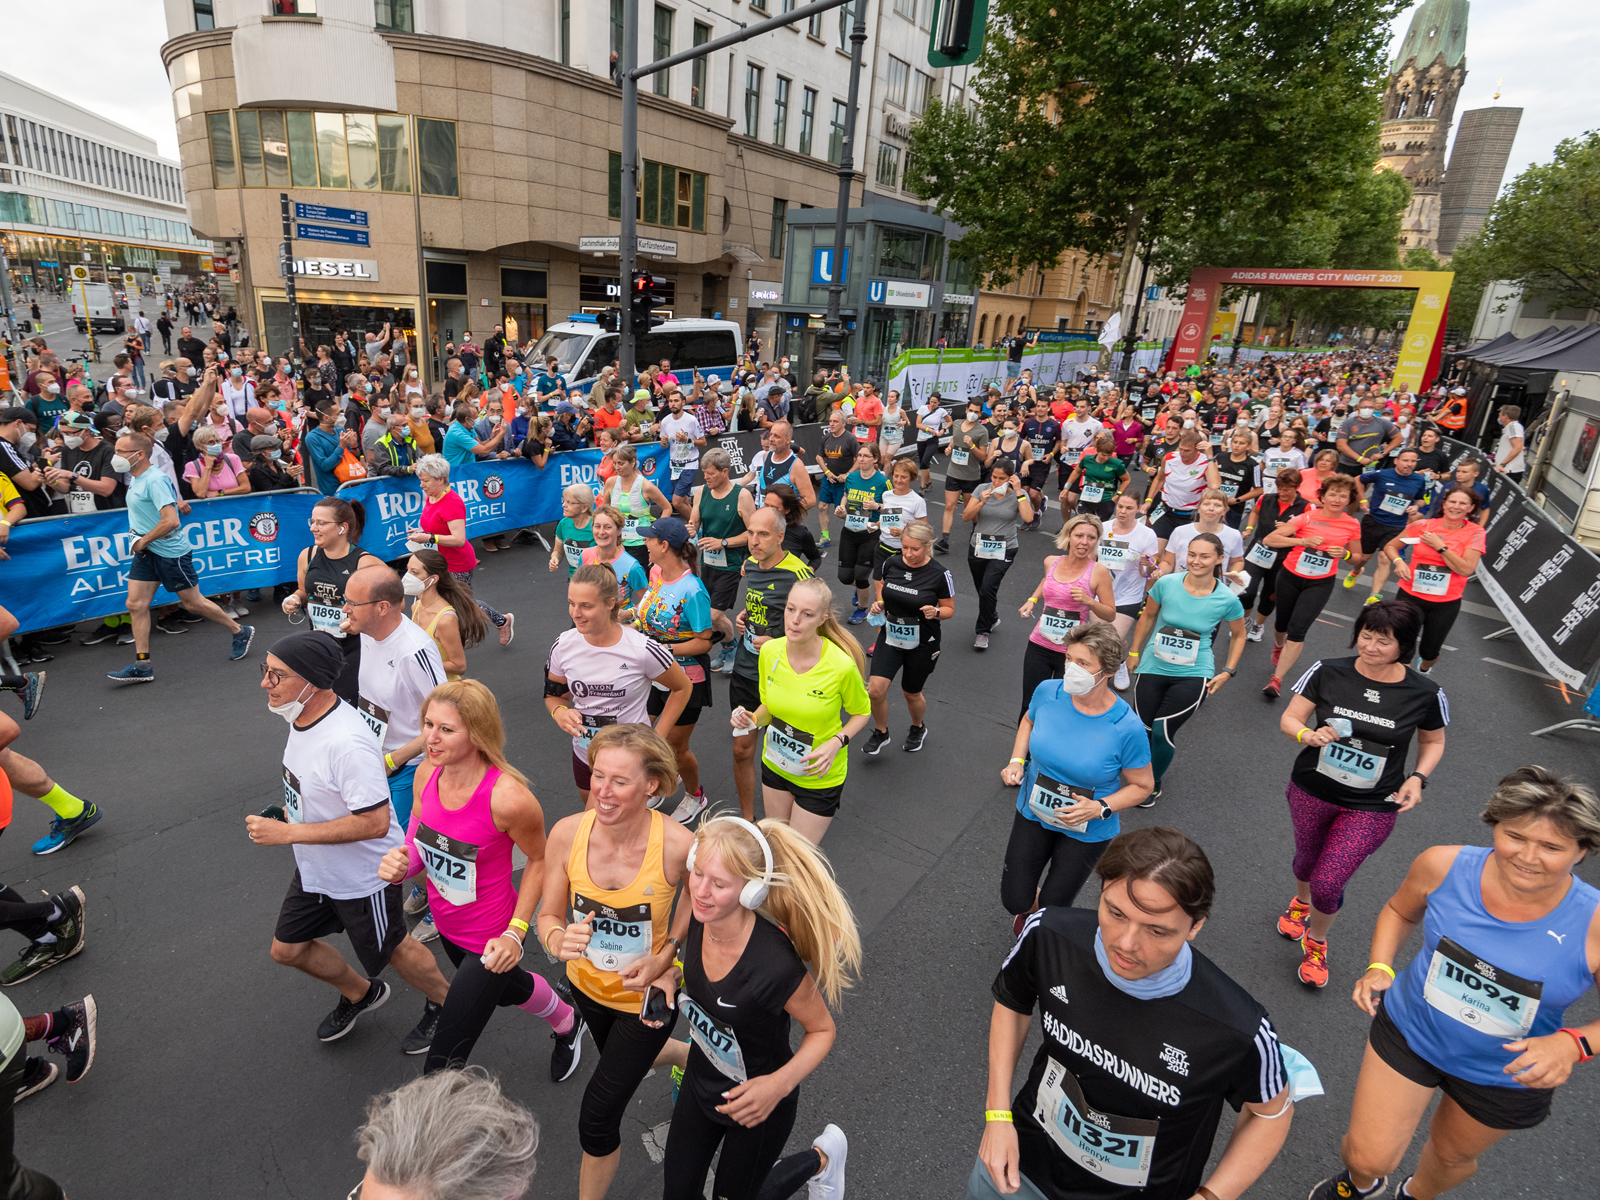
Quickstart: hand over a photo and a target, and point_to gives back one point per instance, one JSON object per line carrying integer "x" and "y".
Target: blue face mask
{"x": 1168, "y": 981}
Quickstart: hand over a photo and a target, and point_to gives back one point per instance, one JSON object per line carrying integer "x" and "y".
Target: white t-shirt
{"x": 396, "y": 676}
{"x": 935, "y": 421}
{"x": 609, "y": 684}
{"x": 1128, "y": 582}
{"x": 1512, "y": 430}
{"x": 1274, "y": 460}
{"x": 685, "y": 454}
{"x": 240, "y": 399}
{"x": 1079, "y": 436}
{"x": 911, "y": 506}
{"x": 330, "y": 770}
{"x": 1178, "y": 544}
{"x": 1182, "y": 483}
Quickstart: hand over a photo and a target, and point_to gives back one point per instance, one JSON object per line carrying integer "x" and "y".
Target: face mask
{"x": 236, "y": 372}
{"x": 214, "y": 450}
{"x": 418, "y": 411}
{"x": 1076, "y": 680}
{"x": 1363, "y": 413}
{"x": 369, "y": 389}
{"x": 193, "y": 372}
{"x": 414, "y": 586}
{"x": 1188, "y": 424}
{"x": 292, "y": 709}
{"x": 340, "y": 421}
{"x": 121, "y": 465}
{"x": 52, "y": 388}
{"x": 73, "y": 443}
{"x": 411, "y": 375}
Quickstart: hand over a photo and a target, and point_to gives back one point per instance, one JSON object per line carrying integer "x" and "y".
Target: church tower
{"x": 1418, "y": 109}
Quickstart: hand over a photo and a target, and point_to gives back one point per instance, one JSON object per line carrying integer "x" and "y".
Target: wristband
{"x": 1584, "y": 1053}
{"x": 1017, "y": 760}
{"x": 998, "y": 1114}
{"x": 1384, "y": 967}
{"x": 512, "y": 934}
{"x": 1133, "y": 654}
{"x": 519, "y": 924}
{"x": 1304, "y": 729}
{"x": 388, "y": 760}
{"x": 545, "y": 941}
{"x": 1203, "y": 1190}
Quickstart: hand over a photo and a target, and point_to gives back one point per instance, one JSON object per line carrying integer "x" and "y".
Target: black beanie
{"x": 316, "y": 657}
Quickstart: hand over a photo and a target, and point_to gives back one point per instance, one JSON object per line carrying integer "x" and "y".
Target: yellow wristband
{"x": 520, "y": 924}
{"x": 388, "y": 760}
{"x": 1304, "y": 729}
{"x": 1384, "y": 967}
{"x": 997, "y": 1114}
{"x": 1020, "y": 760}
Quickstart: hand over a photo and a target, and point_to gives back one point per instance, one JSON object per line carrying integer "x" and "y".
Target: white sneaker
{"x": 1252, "y": 632}
{"x": 1122, "y": 680}
{"x": 426, "y": 930}
{"x": 416, "y": 900}
{"x": 240, "y": 610}
{"x": 507, "y": 632}
{"x": 690, "y": 807}
{"x": 830, "y": 1184}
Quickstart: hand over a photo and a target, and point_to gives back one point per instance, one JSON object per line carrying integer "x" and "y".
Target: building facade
{"x": 1419, "y": 106}
{"x": 1477, "y": 167}
{"x": 1076, "y": 294}
{"x": 443, "y": 159}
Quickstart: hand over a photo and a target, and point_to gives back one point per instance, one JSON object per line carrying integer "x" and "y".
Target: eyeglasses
{"x": 355, "y": 1192}
{"x": 360, "y": 603}
{"x": 274, "y": 677}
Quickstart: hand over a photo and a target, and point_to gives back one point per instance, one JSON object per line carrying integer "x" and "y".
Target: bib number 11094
{"x": 1485, "y": 997}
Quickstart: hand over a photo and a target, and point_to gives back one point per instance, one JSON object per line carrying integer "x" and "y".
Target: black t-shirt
{"x": 1172, "y": 1060}
{"x": 93, "y": 464}
{"x": 171, "y": 389}
{"x": 1237, "y": 477}
{"x": 270, "y": 477}
{"x": 1042, "y": 436}
{"x": 1365, "y": 769}
{"x": 1436, "y": 461}
{"x": 194, "y": 350}
{"x": 14, "y": 462}
{"x": 840, "y": 452}
{"x": 907, "y": 589}
{"x": 740, "y": 1017}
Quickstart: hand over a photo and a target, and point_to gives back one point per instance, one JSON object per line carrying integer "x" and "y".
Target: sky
{"x": 1544, "y": 49}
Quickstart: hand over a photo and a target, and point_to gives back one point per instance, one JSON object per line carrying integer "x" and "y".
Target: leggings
{"x": 1330, "y": 844}
{"x": 1437, "y": 618}
{"x": 18, "y": 1182}
{"x": 1300, "y": 603}
{"x": 476, "y": 992}
{"x": 987, "y": 575}
{"x": 748, "y": 1169}
{"x": 628, "y": 1049}
{"x": 31, "y": 920}
{"x": 1164, "y": 703}
{"x": 1031, "y": 847}
{"x": 856, "y": 548}
{"x": 1263, "y": 580}
{"x": 493, "y": 614}
{"x": 1038, "y": 665}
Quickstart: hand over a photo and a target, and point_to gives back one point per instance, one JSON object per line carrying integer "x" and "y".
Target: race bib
{"x": 676, "y": 468}
{"x": 862, "y": 433}
{"x": 1354, "y": 762}
{"x": 903, "y": 635}
{"x": 1429, "y": 581}
{"x": 715, "y": 1039}
{"x": 715, "y": 558}
{"x": 787, "y": 746}
{"x": 592, "y": 726}
{"x": 1072, "y": 457}
{"x": 1114, "y": 555}
{"x": 1313, "y": 565}
{"x": 1216, "y": 437}
{"x": 1262, "y": 555}
{"x": 325, "y": 617}
{"x": 1230, "y": 488}
{"x": 1055, "y": 623}
{"x": 574, "y": 553}
{"x": 377, "y": 718}
{"x": 856, "y": 522}
{"x": 1049, "y": 796}
{"x": 959, "y": 456}
{"x": 1092, "y": 493}
{"x": 1394, "y": 504}
{"x": 452, "y": 866}
{"x": 618, "y": 937}
{"x": 291, "y": 797}
{"x": 630, "y": 525}
{"x": 891, "y": 521}
{"x": 1147, "y": 414}
{"x": 992, "y": 548}
{"x": 751, "y": 633}
{"x": 1180, "y": 647}
{"x": 1116, "y": 1149}
{"x": 79, "y": 502}
{"x": 1465, "y": 988}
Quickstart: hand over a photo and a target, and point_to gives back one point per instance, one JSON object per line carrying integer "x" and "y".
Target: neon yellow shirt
{"x": 805, "y": 709}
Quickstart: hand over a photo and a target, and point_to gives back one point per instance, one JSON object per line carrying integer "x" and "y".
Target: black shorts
{"x": 375, "y": 924}
{"x": 581, "y": 774}
{"x": 965, "y": 486}
{"x": 699, "y": 697}
{"x": 1131, "y": 610}
{"x": 175, "y": 574}
{"x": 1038, "y": 475}
{"x": 743, "y": 693}
{"x": 1494, "y": 1107}
{"x": 1375, "y": 535}
{"x": 723, "y": 586}
{"x": 819, "y": 802}
{"x": 1170, "y": 521}
{"x": 916, "y": 664}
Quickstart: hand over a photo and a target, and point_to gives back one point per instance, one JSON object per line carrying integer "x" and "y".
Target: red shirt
{"x": 1471, "y": 536}
{"x": 867, "y": 408}
{"x": 436, "y": 518}
{"x": 604, "y": 418}
{"x": 1336, "y": 532}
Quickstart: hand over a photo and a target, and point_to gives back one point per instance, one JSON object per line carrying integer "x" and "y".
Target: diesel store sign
{"x": 365, "y": 269}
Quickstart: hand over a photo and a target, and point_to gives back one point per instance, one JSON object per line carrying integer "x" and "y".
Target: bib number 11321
{"x": 1117, "y": 1149}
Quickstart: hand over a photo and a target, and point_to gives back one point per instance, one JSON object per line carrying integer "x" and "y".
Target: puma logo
{"x": 1560, "y": 937}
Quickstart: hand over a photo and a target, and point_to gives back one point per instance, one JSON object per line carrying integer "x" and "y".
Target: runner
{"x": 1079, "y": 432}
{"x": 836, "y": 456}
{"x": 968, "y": 450}
{"x": 1179, "y": 670}
{"x": 1183, "y": 476}
{"x": 1393, "y": 497}
{"x": 1210, "y": 517}
{"x": 323, "y": 570}
{"x": 1074, "y": 586}
{"x": 72, "y": 817}
{"x": 1128, "y": 550}
{"x": 471, "y": 807}
{"x": 1079, "y": 758}
{"x": 599, "y": 672}
{"x": 764, "y": 903}
{"x": 606, "y": 526}
{"x": 900, "y": 506}
{"x": 1239, "y": 475}
{"x": 797, "y": 539}
{"x": 778, "y": 463}
{"x": 912, "y": 596}
{"x": 1355, "y": 718}
{"x": 1444, "y": 554}
{"x": 443, "y": 525}
{"x": 677, "y": 613}
{"x": 1097, "y": 481}
{"x": 933, "y": 422}
{"x": 892, "y": 431}
{"x": 575, "y": 530}
{"x": 632, "y": 496}
{"x": 770, "y": 573}
{"x": 1043, "y": 433}
{"x": 864, "y": 488}
{"x": 611, "y": 876}
{"x": 684, "y": 438}
{"x": 996, "y": 510}
{"x": 717, "y": 521}
{"x": 1273, "y": 511}
{"x": 1493, "y": 1043}
{"x": 1289, "y": 452}
{"x": 337, "y": 815}
{"x": 444, "y": 609}
{"x": 1316, "y": 540}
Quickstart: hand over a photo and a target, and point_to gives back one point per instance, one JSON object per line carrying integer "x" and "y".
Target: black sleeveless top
{"x": 325, "y": 580}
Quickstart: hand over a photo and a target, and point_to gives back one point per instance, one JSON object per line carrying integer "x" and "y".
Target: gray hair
{"x": 716, "y": 458}
{"x": 436, "y": 466}
{"x": 451, "y": 1135}
{"x": 1101, "y": 640}
{"x": 204, "y": 435}
{"x": 1531, "y": 793}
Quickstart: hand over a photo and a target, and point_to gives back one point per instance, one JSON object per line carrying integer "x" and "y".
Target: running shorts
{"x": 375, "y": 924}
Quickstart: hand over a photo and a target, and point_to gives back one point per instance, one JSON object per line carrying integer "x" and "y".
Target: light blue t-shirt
{"x": 674, "y": 611}
{"x": 459, "y": 445}
{"x": 1183, "y": 615}
{"x": 1080, "y": 751}
{"x": 147, "y": 496}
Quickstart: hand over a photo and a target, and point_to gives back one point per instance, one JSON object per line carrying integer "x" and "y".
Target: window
{"x": 302, "y": 149}
{"x": 955, "y": 96}
{"x": 248, "y": 125}
{"x": 921, "y": 91}
{"x": 888, "y": 165}
{"x": 847, "y": 20}
{"x": 836, "y": 134}
{"x": 907, "y": 176}
{"x": 697, "y": 77}
{"x": 814, "y": 26}
{"x": 808, "y": 118}
{"x": 294, "y": 8}
{"x": 436, "y": 158}
{"x": 274, "y": 149}
{"x": 752, "y": 100}
{"x": 899, "y": 77}
{"x": 394, "y": 152}
{"x": 616, "y": 29}
{"x": 113, "y": 222}
{"x": 566, "y": 33}
{"x": 661, "y": 81}
{"x": 394, "y": 14}
{"x": 780, "y": 111}
{"x": 759, "y": 5}
{"x": 224, "y": 167}
{"x": 88, "y": 217}
{"x": 666, "y": 196}
{"x": 204, "y": 17}
{"x": 333, "y": 159}
{"x": 361, "y": 150}
{"x": 906, "y": 8}
{"x": 775, "y": 239}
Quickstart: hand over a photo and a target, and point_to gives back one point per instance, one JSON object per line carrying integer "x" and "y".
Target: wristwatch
{"x": 1105, "y": 810}
{"x": 1418, "y": 775}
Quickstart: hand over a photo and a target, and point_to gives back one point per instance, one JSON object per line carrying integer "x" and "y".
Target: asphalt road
{"x": 210, "y": 1082}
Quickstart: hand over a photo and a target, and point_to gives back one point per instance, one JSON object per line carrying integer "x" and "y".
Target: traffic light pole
{"x": 286, "y": 258}
{"x": 830, "y": 339}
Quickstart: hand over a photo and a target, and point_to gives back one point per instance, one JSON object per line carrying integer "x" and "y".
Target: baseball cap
{"x": 669, "y": 529}
{"x": 643, "y": 393}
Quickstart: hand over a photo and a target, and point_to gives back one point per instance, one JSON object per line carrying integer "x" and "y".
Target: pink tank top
{"x": 467, "y": 862}
{"x": 1059, "y": 612}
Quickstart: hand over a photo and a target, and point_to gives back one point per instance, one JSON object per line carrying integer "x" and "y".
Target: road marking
{"x": 1525, "y": 670}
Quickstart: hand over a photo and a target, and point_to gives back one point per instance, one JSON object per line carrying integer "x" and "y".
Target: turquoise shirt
{"x": 459, "y": 445}
{"x": 147, "y": 496}
{"x": 1183, "y": 614}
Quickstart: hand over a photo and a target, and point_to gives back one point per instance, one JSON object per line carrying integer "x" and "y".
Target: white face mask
{"x": 270, "y": 428}
{"x": 1188, "y": 424}
{"x": 121, "y": 465}
{"x": 193, "y": 372}
{"x": 418, "y": 411}
{"x": 340, "y": 421}
{"x": 52, "y": 388}
{"x": 161, "y": 434}
{"x": 73, "y": 442}
{"x": 293, "y": 708}
{"x": 414, "y": 586}
{"x": 1076, "y": 680}
{"x": 1363, "y": 413}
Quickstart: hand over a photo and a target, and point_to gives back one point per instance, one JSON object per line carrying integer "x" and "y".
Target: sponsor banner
{"x": 961, "y": 373}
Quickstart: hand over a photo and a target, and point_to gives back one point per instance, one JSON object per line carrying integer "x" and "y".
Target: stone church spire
{"x": 1419, "y": 108}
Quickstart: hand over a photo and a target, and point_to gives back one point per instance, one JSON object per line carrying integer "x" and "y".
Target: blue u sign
{"x": 876, "y": 289}
{"x": 822, "y": 264}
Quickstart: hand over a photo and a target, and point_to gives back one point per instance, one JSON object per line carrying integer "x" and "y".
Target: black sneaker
{"x": 568, "y": 1049}
{"x": 1150, "y": 800}
{"x": 59, "y": 636}
{"x": 563, "y": 988}
{"x": 76, "y": 1039}
{"x": 171, "y": 625}
{"x": 343, "y": 1018}
{"x": 33, "y": 958}
{"x": 421, "y": 1038}
{"x": 71, "y": 928}
{"x": 106, "y": 633}
{"x": 37, "y": 1074}
{"x": 914, "y": 738}
{"x": 33, "y": 652}
{"x": 876, "y": 740}
{"x": 187, "y": 617}
{"x": 942, "y": 546}
{"x": 1340, "y": 1188}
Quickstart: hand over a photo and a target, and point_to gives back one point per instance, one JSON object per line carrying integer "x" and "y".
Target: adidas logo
{"x": 1060, "y": 993}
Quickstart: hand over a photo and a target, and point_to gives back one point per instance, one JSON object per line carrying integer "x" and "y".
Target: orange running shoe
{"x": 1314, "y": 966}
{"x": 1292, "y": 924}
{"x": 1277, "y": 653}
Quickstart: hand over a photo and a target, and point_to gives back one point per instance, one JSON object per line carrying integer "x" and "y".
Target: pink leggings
{"x": 1331, "y": 843}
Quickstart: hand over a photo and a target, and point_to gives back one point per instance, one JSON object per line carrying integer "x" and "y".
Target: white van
{"x": 691, "y": 344}
{"x": 103, "y": 309}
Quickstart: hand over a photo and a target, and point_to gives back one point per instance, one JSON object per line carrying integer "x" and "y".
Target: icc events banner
{"x": 957, "y": 374}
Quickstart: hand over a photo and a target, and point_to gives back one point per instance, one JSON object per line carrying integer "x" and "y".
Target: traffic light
{"x": 645, "y": 296}
{"x": 610, "y": 319}
{"x": 957, "y": 37}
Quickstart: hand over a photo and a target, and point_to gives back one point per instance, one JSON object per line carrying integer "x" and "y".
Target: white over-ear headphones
{"x": 754, "y": 893}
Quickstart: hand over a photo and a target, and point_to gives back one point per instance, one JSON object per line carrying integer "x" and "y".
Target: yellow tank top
{"x": 434, "y": 624}
{"x": 628, "y": 924}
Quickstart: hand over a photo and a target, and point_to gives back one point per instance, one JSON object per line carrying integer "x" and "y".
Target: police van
{"x": 690, "y": 344}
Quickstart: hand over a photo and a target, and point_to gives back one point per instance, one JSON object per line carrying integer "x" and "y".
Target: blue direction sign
{"x": 324, "y": 233}
{"x": 323, "y": 212}
{"x": 822, "y": 265}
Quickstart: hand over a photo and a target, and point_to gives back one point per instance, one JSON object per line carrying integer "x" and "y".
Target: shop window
{"x": 521, "y": 283}
{"x": 224, "y": 167}
{"x": 666, "y": 195}
{"x": 447, "y": 278}
{"x": 394, "y": 14}
{"x": 888, "y": 165}
{"x": 436, "y": 157}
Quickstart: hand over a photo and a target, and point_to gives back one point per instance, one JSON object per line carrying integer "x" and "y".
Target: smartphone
{"x": 274, "y": 812}
{"x": 655, "y": 1007}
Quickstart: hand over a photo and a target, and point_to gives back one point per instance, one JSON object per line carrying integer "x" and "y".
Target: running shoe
{"x": 914, "y": 738}
{"x": 508, "y": 630}
{"x": 135, "y": 672}
{"x": 677, "y": 1082}
{"x": 241, "y": 642}
{"x": 426, "y": 930}
{"x": 106, "y": 633}
{"x": 1340, "y": 1187}
{"x": 33, "y": 958}
{"x": 1150, "y": 800}
{"x": 825, "y": 540}
{"x": 876, "y": 740}
{"x": 1277, "y": 653}
{"x": 942, "y": 546}
{"x": 1252, "y": 632}
{"x": 253, "y": 595}
{"x": 1401, "y": 1191}
{"x": 1273, "y": 688}
{"x": 31, "y": 693}
{"x": 32, "y": 652}
{"x": 1314, "y": 966}
{"x": 188, "y": 616}
{"x": 171, "y": 625}
{"x": 65, "y": 830}
{"x": 417, "y": 901}
{"x": 239, "y": 610}
{"x": 568, "y": 1050}
{"x": 420, "y": 1039}
{"x": 857, "y": 616}
{"x": 689, "y": 808}
{"x": 125, "y": 636}
{"x": 37, "y": 1074}
{"x": 724, "y": 664}
{"x": 61, "y": 635}
{"x": 343, "y": 1018}
{"x": 829, "y": 1185}
{"x": 76, "y": 1040}
{"x": 981, "y": 642}
{"x": 1373, "y": 599}
{"x": 1123, "y": 680}
{"x": 1350, "y": 579}
{"x": 1292, "y": 923}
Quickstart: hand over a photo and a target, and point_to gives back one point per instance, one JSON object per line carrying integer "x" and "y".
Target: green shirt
{"x": 574, "y": 541}
{"x": 858, "y": 489}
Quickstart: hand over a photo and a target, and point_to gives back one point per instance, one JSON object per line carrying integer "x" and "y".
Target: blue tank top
{"x": 1479, "y": 982}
